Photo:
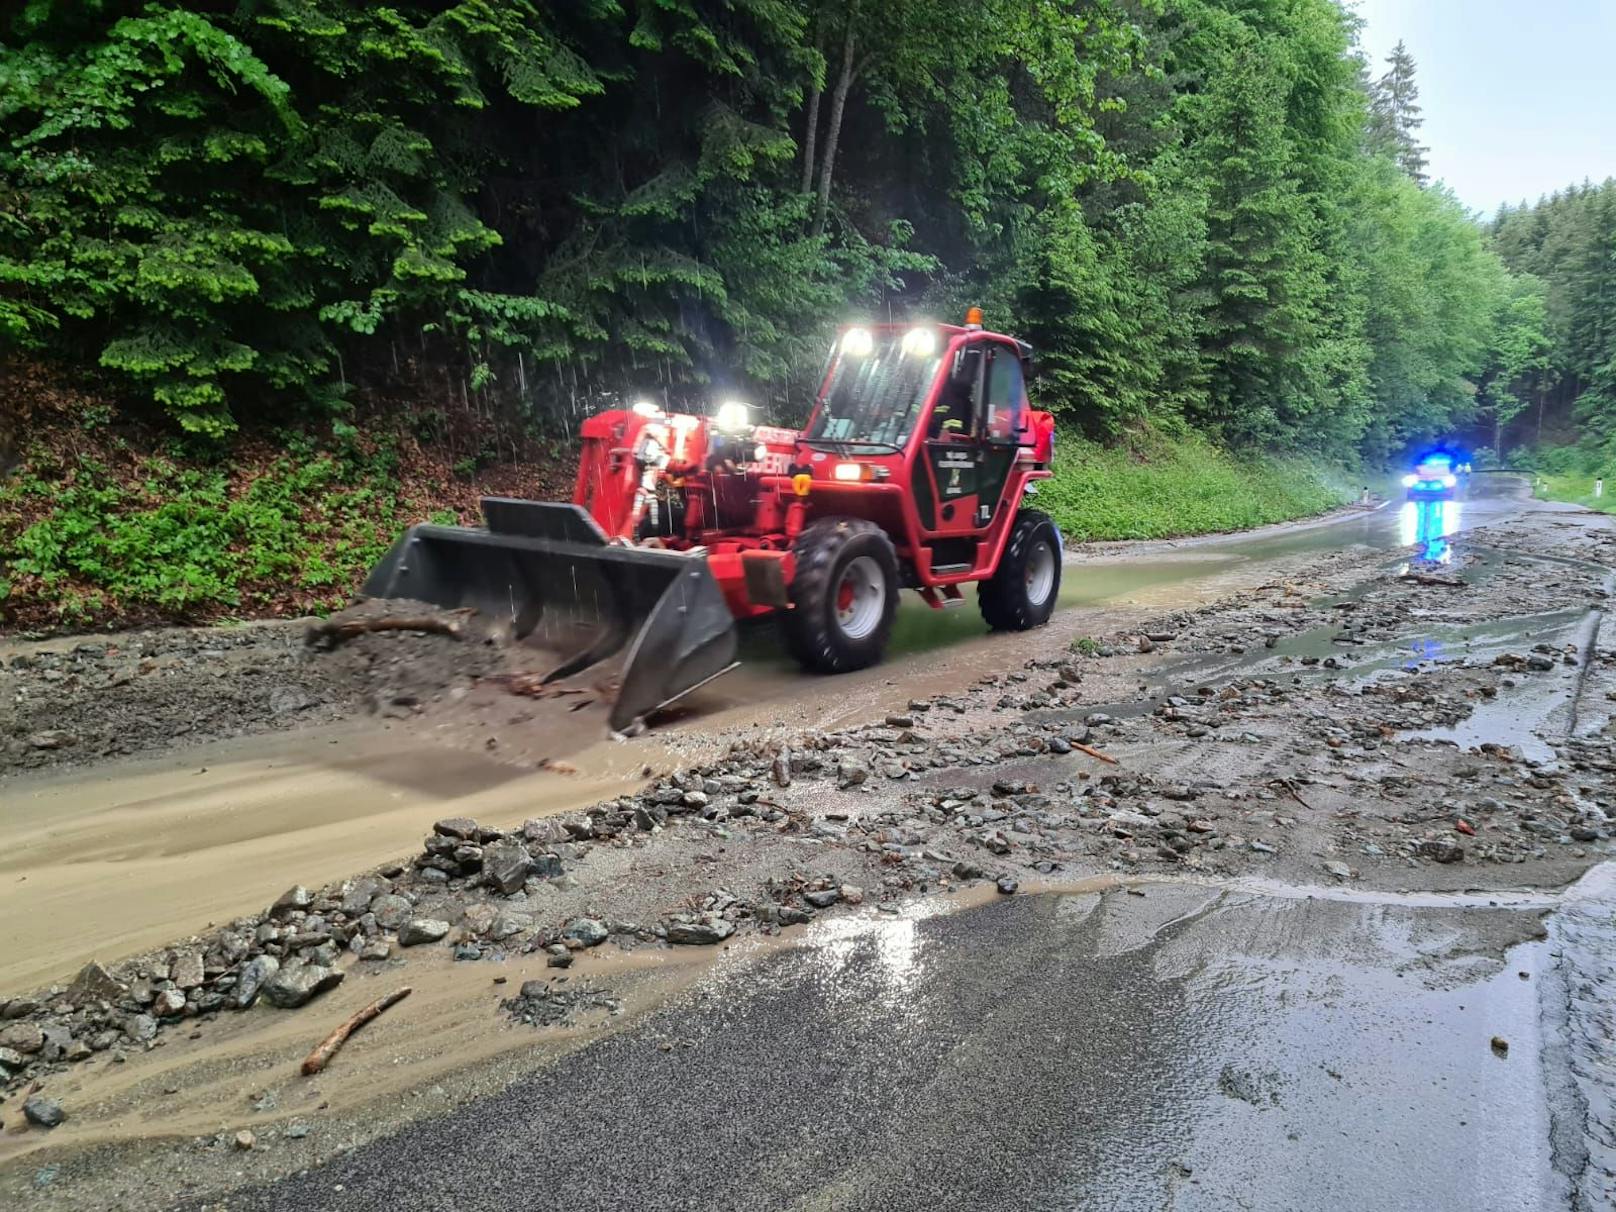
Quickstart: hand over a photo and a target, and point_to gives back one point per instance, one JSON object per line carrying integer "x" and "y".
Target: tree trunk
{"x": 810, "y": 135}
{"x": 838, "y": 102}
{"x": 808, "y": 139}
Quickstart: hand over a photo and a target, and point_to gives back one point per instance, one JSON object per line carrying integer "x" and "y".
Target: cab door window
{"x": 955, "y": 414}
{"x": 1006, "y": 397}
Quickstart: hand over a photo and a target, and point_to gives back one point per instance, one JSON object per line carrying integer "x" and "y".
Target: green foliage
{"x": 1199, "y": 211}
{"x": 1160, "y": 487}
{"x": 182, "y": 543}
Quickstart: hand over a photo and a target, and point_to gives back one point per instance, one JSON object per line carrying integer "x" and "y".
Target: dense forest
{"x": 1564, "y": 249}
{"x": 1201, "y": 212}
{"x": 279, "y": 276}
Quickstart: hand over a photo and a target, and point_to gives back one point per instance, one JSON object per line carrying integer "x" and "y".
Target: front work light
{"x": 857, "y": 342}
{"x": 1450, "y": 481}
{"x": 920, "y": 342}
{"x": 732, "y": 416}
{"x": 1410, "y": 481}
{"x": 849, "y": 471}
{"x": 646, "y": 408}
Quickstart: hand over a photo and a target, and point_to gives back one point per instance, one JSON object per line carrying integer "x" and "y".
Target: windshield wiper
{"x": 840, "y": 443}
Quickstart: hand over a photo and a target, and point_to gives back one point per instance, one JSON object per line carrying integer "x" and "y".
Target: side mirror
{"x": 967, "y": 367}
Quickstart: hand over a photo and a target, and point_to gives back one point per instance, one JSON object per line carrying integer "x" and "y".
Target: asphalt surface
{"x": 1188, "y": 1049}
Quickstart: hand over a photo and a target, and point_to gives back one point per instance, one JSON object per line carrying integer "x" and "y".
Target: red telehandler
{"x": 911, "y": 473}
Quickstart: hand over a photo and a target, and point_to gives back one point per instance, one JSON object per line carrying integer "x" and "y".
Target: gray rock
{"x": 508, "y": 923}
{"x": 185, "y": 969}
{"x": 95, "y": 984}
{"x": 505, "y": 866}
{"x": 54, "y": 738}
{"x": 11, "y": 1060}
{"x": 296, "y": 897}
{"x": 462, "y": 827}
{"x": 252, "y": 978}
{"x": 478, "y": 919}
{"x": 22, "y": 1037}
{"x": 822, "y": 898}
{"x": 140, "y": 1028}
{"x": 358, "y": 898}
{"x": 1440, "y": 850}
{"x": 169, "y": 1003}
{"x": 43, "y": 1112}
{"x": 391, "y": 910}
{"x": 851, "y": 773}
{"x": 376, "y": 950}
{"x": 420, "y": 930}
{"x": 1340, "y": 870}
{"x": 586, "y": 930}
{"x": 1007, "y": 885}
{"x": 295, "y": 986}
{"x": 702, "y": 933}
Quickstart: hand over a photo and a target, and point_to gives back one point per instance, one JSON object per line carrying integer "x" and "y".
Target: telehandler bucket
{"x": 546, "y": 573}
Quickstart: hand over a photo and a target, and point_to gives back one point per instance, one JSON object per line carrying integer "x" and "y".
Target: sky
{"x": 1519, "y": 99}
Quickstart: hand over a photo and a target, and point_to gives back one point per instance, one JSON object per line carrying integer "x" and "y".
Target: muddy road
{"x": 1268, "y": 875}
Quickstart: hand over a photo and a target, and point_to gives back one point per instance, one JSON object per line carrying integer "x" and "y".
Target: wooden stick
{"x": 1425, "y": 578}
{"x": 335, "y": 632}
{"x": 321, "y": 1056}
{"x": 1294, "y": 794}
{"x": 1093, "y": 753}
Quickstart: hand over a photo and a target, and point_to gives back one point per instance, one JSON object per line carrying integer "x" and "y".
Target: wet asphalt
{"x": 1191, "y": 1048}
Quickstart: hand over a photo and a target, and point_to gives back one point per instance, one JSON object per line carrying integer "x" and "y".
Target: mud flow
{"x": 1224, "y": 766}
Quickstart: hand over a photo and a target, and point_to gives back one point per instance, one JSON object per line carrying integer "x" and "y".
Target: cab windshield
{"x": 876, "y": 388}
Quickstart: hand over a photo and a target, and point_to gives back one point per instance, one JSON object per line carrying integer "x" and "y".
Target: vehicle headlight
{"x": 857, "y": 342}
{"x": 1410, "y": 481}
{"x": 733, "y": 416}
{"x": 849, "y": 471}
{"x": 920, "y": 342}
{"x": 1449, "y": 481}
{"x": 646, "y": 408}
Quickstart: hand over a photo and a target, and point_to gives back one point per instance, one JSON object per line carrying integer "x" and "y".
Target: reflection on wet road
{"x": 1185, "y": 1049}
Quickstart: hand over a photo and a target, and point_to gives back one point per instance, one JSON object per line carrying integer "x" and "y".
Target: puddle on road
{"x": 110, "y": 863}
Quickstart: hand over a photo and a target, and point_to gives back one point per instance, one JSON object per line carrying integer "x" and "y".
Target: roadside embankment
{"x": 111, "y": 523}
{"x": 1160, "y": 487}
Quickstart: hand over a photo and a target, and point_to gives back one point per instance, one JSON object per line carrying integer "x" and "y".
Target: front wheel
{"x": 844, "y": 595}
{"x": 1021, "y": 594}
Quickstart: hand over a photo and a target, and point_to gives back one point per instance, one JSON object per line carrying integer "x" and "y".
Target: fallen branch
{"x": 1093, "y": 753}
{"x": 334, "y": 632}
{"x": 1294, "y": 794}
{"x": 321, "y": 1056}
{"x": 1425, "y": 578}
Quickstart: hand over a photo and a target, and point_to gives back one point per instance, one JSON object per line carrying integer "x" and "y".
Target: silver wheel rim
{"x": 1040, "y": 573}
{"x": 861, "y": 598}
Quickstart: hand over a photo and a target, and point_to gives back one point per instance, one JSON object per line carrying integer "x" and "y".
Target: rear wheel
{"x": 1021, "y": 594}
{"x": 844, "y": 594}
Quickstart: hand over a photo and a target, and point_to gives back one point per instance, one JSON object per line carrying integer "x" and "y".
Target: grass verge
{"x": 1578, "y": 489}
{"x": 1163, "y": 487}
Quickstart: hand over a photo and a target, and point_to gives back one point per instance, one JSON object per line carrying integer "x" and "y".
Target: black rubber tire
{"x": 812, "y": 633}
{"x": 1003, "y": 596}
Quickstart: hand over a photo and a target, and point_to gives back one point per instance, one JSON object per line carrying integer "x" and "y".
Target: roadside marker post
{"x": 1599, "y": 488}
